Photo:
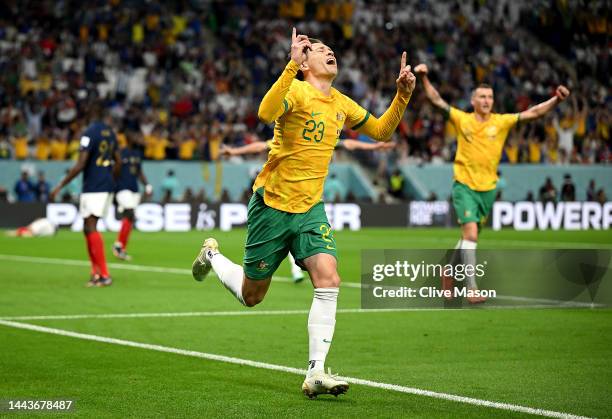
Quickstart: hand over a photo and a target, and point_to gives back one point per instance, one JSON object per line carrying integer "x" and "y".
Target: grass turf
{"x": 551, "y": 359}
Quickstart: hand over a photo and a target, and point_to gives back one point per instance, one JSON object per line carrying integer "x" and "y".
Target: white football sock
{"x": 468, "y": 257}
{"x": 321, "y": 323}
{"x": 230, "y": 274}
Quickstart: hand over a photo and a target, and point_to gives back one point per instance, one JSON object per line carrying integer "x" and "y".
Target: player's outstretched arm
{"x": 543, "y": 108}
{"x": 145, "y": 182}
{"x": 432, "y": 93}
{"x": 381, "y": 128}
{"x": 273, "y": 103}
{"x": 74, "y": 171}
{"x": 253, "y": 148}
{"x": 351, "y": 145}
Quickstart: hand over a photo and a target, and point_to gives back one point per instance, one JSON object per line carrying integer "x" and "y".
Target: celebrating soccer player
{"x": 100, "y": 163}
{"x": 480, "y": 139}
{"x": 285, "y": 213}
{"x": 128, "y": 197}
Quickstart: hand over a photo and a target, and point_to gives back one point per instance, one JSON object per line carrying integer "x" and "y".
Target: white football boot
{"x": 321, "y": 383}
{"x": 202, "y": 265}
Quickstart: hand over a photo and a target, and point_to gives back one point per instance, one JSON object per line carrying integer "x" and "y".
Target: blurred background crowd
{"x": 189, "y": 75}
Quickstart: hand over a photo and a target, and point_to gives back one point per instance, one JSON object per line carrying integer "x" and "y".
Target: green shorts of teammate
{"x": 472, "y": 206}
{"x": 271, "y": 234}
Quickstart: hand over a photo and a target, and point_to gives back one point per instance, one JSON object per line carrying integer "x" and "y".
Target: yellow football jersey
{"x": 308, "y": 125}
{"x": 21, "y": 147}
{"x": 479, "y": 147}
{"x": 305, "y": 137}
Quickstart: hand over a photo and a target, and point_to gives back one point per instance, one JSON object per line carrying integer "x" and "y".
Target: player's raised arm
{"x": 381, "y": 128}
{"x": 253, "y": 148}
{"x": 432, "y": 94}
{"x": 273, "y": 103}
{"x": 543, "y": 108}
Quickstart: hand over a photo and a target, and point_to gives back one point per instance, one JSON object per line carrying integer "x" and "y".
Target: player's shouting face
{"x": 482, "y": 100}
{"x": 321, "y": 61}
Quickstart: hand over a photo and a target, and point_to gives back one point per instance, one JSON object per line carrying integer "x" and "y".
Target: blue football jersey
{"x": 130, "y": 169}
{"x": 100, "y": 141}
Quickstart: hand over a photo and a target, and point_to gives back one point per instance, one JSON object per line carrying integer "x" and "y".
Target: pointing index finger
{"x": 403, "y": 60}
{"x": 294, "y": 34}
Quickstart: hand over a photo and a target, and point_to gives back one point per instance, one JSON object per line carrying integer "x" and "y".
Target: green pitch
{"x": 555, "y": 359}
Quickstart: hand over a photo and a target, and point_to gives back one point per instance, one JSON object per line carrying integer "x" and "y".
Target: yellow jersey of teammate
{"x": 308, "y": 126}
{"x": 479, "y": 147}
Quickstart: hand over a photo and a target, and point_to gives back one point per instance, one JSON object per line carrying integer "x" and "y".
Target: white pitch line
{"x": 298, "y": 371}
{"x": 181, "y": 271}
{"x": 242, "y": 313}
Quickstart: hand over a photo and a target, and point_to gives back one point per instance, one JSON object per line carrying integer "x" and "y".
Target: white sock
{"x": 468, "y": 257}
{"x": 321, "y": 323}
{"x": 230, "y": 274}
{"x": 294, "y": 268}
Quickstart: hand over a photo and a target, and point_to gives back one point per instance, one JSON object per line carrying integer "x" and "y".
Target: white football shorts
{"x": 127, "y": 199}
{"x": 95, "y": 203}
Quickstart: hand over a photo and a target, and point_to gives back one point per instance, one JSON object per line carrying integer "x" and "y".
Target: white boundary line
{"x": 182, "y": 271}
{"x": 282, "y": 368}
{"x": 83, "y": 316}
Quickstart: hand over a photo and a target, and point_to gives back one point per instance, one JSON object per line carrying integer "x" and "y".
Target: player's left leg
{"x": 120, "y": 245}
{"x": 127, "y": 201}
{"x": 469, "y": 212}
{"x": 92, "y": 207}
{"x": 95, "y": 247}
{"x": 472, "y": 208}
{"x": 315, "y": 249}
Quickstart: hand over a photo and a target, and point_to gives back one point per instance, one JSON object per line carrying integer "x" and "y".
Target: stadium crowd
{"x": 189, "y": 75}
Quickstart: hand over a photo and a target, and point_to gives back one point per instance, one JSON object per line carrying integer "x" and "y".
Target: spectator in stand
{"x": 5, "y": 149}
{"x": 565, "y": 133}
{"x": 20, "y": 145}
{"x": 568, "y": 190}
{"x": 43, "y": 147}
{"x": 591, "y": 193}
{"x": 601, "y": 196}
{"x": 24, "y": 189}
{"x": 59, "y": 147}
{"x": 158, "y": 67}
{"x": 396, "y": 184}
{"x": 42, "y": 188}
{"x": 187, "y": 146}
{"x": 169, "y": 187}
{"x": 548, "y": 193}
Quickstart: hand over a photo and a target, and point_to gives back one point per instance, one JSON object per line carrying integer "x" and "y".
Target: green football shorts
{"x": 471, "y": 205}
{"x": 272, "y": 233}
